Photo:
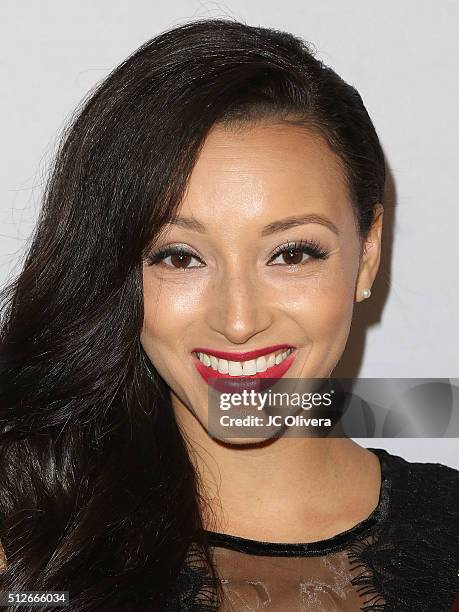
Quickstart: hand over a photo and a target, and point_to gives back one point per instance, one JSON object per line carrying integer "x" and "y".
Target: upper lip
{"x": 248, "y": 355}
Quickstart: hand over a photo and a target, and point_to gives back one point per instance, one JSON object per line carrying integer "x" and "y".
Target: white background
{"x": 401, "y": 56}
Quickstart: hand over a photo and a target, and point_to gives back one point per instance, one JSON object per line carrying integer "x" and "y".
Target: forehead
{"x": 259, "y": 172}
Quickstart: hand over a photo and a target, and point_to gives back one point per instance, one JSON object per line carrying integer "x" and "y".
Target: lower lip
{"x": 223, "y": 382}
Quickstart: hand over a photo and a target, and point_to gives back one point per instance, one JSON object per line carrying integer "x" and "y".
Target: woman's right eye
{"x": 179, "y": 258}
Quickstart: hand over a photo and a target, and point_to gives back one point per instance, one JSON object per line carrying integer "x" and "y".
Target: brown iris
{"x": 180, "y": 258}
{"x": 292, "y": 257}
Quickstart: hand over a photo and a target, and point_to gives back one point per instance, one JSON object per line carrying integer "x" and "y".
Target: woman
{"x": 218, "y": 194}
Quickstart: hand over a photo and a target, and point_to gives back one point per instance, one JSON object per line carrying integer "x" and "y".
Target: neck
{"x": 283, "y": 489}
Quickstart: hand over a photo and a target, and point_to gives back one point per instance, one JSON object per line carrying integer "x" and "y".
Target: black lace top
{"x": 403, "y": 557}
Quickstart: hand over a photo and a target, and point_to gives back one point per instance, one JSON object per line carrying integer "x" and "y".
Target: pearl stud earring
{"x": 366, "y": 293}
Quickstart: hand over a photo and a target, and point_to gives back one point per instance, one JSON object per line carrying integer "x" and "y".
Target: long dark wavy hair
{"x": 98, "y": 494}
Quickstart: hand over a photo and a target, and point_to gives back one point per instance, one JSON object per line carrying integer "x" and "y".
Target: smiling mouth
{"x": 252, "y": 367}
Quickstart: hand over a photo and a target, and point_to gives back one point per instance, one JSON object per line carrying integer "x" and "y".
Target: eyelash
{"x": 308, "y": 247}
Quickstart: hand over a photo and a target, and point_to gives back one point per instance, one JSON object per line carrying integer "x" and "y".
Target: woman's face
{"x": 252, "y": 193}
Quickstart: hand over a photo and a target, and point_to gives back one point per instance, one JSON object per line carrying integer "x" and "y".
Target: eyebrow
{"x": 271, "y": 228}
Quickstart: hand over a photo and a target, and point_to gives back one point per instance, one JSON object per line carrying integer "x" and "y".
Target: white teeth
{"x": 243, "y": 368}
{"x": 223, "y": 366}
{"x": 249, "y": 368}
{"x": 234, "y": 368}
{"x": 261, "y": 364}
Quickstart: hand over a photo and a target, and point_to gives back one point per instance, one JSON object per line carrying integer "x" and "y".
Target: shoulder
{"x": 420, "y": 484}
{"x": 417, "y": 539}
{"x": 421, "y": 494}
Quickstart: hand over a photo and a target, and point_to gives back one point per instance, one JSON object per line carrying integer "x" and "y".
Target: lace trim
{"x": 364, "y": 581}
{"x": 195, "y": 590}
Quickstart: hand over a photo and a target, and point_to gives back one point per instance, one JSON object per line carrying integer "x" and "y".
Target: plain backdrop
{"x": 401, "y": 56}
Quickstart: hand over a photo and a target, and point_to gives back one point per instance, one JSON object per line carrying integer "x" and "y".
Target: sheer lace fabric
{"x": 313, "y": 584}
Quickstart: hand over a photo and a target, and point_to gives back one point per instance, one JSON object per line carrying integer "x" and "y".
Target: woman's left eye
{"x": 295, "y": 252}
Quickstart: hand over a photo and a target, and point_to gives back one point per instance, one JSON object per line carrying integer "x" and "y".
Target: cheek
{"x": 333, "y": 318}
{"x": 169, "y": 309}
{"x": 323, "y": 303}
{"x": 323, "y": 314}
{"x": 336, "y": 300}
{"x": 331, "y": 321}
{"x": 158, "y": 331}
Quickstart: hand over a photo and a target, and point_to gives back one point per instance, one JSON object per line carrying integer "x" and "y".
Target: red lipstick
{"x": 258, "y": 381}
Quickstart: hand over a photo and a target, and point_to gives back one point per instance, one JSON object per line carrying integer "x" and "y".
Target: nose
{"x": 239, "y": 307}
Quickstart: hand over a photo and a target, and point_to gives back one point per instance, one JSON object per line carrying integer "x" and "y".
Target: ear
{"x": 370, "y": 254}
